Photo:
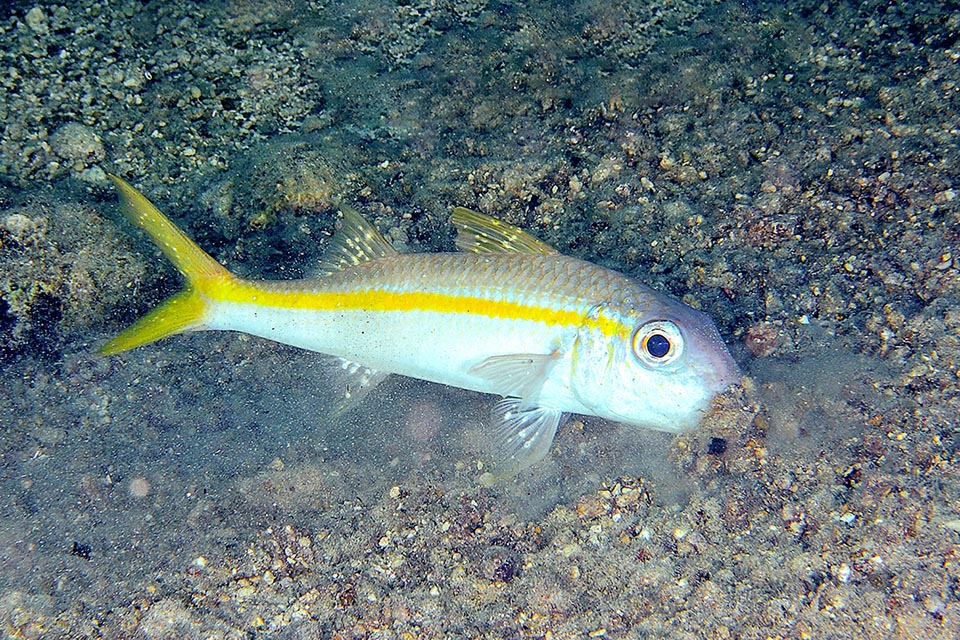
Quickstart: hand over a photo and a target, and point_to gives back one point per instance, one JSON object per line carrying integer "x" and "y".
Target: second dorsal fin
{"x": 356, "y": 241}
{"x": 480, "y": 233}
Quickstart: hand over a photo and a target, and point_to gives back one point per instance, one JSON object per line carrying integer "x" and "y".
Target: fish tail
{"x": 187, "y": 310}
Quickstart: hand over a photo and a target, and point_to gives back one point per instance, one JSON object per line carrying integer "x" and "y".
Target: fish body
{"x": 509, "y": 316}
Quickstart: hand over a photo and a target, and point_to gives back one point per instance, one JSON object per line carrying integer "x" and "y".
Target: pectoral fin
{"x": 517, "y": 374}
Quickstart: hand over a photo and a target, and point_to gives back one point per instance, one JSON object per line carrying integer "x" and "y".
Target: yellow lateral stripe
{"x": 245, "y": 292}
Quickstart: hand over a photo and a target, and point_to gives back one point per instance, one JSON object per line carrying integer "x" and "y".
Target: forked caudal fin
{"x": 186, "y": 310}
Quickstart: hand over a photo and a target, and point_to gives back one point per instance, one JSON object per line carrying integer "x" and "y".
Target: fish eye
{"x": 657, "y": 343}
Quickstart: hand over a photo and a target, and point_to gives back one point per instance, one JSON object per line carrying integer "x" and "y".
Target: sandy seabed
{"x": 791, "y": 168}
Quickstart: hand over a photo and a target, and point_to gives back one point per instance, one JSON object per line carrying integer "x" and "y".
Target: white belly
{"x": 439, "y": 347}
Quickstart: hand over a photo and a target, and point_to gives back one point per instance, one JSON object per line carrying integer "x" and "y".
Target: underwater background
{"x": 790, "y": 168}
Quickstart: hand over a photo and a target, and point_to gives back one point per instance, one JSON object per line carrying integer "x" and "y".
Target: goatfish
{"x": 506, "y": 315}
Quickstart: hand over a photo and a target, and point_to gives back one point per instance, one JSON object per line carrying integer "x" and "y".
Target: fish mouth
{"x": 717, "y": 367}
{"x": 721, "y": 372}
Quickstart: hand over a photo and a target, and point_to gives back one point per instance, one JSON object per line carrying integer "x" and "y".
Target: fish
{"x": 506, "y": 315}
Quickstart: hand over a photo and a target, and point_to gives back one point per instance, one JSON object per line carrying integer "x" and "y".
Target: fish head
{"x": 650, "y": 361}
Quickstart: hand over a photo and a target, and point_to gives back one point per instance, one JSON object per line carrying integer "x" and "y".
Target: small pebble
{"x": 139, "y": 487}
{"x": 36, "y": 19}
{"x": 78, "y": 144}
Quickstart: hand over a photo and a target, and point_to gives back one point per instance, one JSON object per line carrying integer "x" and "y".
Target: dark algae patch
{"x": 791, "y": 169}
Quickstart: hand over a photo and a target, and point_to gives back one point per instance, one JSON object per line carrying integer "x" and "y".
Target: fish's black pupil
{"x": 658, "y": 345}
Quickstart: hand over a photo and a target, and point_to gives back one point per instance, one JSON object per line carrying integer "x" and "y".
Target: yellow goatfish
{"x": 510, "y": 316}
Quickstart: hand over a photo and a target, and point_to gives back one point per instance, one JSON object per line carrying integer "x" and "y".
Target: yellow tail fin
{"x": 186, "y": 310}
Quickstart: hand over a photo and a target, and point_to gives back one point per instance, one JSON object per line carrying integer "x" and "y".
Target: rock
{"x": 36, "y": 19}
{"x": 78, "y": 144}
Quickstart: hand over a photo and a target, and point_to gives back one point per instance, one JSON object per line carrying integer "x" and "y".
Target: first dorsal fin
{"x": 479, "y": 233}
{"x": 356, "y": 241}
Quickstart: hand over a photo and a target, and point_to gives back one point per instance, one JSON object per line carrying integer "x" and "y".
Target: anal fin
{"x": 354, "y": 382}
